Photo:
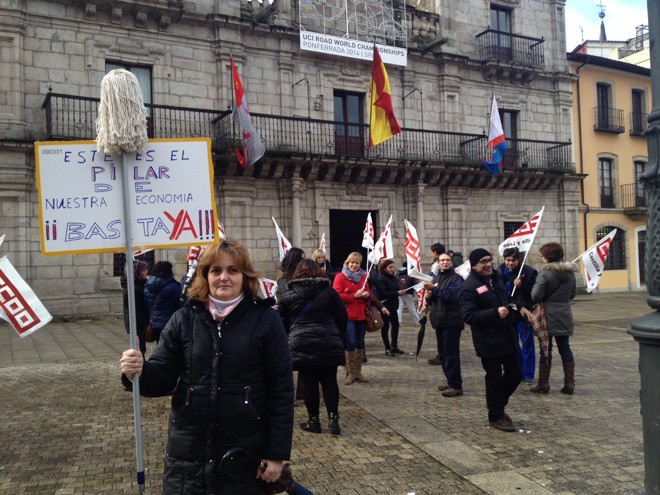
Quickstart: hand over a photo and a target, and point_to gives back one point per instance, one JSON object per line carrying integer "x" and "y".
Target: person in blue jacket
{"x": 162, "y": 293}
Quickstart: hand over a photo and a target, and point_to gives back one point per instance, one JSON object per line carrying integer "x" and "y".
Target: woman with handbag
{"x": 353, "y": 289}
{"x": 315, "y": 319}
{"x": 227, "y": 354}
{"x": 162, "y": 293}
{"x": 555, "y": 287}
{"x": 389, "y": 292}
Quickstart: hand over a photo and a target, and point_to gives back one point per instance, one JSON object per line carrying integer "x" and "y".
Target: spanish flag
{"x": 382, "y": 124}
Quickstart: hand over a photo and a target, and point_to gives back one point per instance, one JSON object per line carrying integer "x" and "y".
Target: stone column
{"x": 646, "y": 329}
{"x": 296, "y": 218}
{"x": 420, "y": 215}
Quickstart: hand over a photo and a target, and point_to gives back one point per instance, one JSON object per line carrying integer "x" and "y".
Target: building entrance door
{"x": 346, "y": 231}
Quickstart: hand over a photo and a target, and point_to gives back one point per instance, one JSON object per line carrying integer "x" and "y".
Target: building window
{"x": 513, "y": 156}
{"x": 606, "y": 185}
{"x": 616, "y": 259}
{"x": 511, "y": 227}
{"x": 349, "y": 129}
{"x": 608, "y": 118}
{"x": 638, "y": 114}
{"x": 638, "y": 169}
{"x": 119, "y": 262}
{"x": 143, "y": 75}
{"x": 500, "y": 21}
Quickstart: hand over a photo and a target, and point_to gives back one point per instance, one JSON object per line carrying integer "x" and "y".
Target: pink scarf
{"x": 220, "y": 309}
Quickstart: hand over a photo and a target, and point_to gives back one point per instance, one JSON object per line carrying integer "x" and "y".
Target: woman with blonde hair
{"x": 353, "y": 289}
{"x": 320, "y": 259}
{"x": 226, "y": 355}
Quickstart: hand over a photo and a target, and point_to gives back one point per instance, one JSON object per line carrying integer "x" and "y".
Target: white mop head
{"x": 122, "y": 121}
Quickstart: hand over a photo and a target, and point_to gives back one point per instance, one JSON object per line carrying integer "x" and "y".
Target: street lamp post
{"x": 646, "y": 329}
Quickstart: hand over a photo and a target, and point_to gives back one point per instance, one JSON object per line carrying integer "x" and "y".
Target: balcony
{"x": 638, "y": 123}
{"x": 514, "y": 56}
{"x": 633, "y": 201}
{"x": 289, "y": 139}
{"x": 608, "y": 120}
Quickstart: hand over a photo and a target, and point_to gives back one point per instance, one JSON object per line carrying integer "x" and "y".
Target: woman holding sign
{"x": 227, "y": 356}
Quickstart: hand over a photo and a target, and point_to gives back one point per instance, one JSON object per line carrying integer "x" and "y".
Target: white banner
{"x": 383, "y": 247}
{"x": 267, "y": 287}
{"x": 283, "y": 244}
{"x": 412, "y": 247}
{"x": 464, "y": 269}
{"x": 368, "y": 234}
{"x": 344, "y": 47}
{"x": 18, "y": 303}
{"x": 523, "y": 238}
{"x": 594, "y": 260}
{"x": 80, "y": 196}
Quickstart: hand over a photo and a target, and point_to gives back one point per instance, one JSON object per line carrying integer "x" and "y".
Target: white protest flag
{"x": 221, "y": 231}
{"x": 18, "y": 304}
{"x": 383, "y": 247}
{"x": 368, "y": 237}
{"x": 464, "y": 269}
{"x": 322, "y": 245}
{"x": 283, "y": 243}
{"x": 412, "y": 247}
{"x": 2, "y": 239}
{"x": 194, "y": 254}
{"x": 594, "y": 260}
{"x": 523, "y": 238}
{"x": 267, "y": 287}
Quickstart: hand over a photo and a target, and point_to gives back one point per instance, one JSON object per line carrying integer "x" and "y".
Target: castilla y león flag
{"x": 18, "y": 304}
{"x": 253, "y": 148}
{"x": 412, "y": 247}
{"x": 383, "y": 124}
{"x": 594, "y": 260}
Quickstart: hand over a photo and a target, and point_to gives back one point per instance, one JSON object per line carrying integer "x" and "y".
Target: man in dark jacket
{"x": 484, "y": 306}
{"x": 447, "y": 322}
{"x": 523, "y": 280}
{"x": 436, "y": 250}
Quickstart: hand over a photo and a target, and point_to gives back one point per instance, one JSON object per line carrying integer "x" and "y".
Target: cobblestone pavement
{"x": 67, "y": 426}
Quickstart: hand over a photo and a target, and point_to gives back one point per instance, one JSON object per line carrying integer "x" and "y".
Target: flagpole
{"x": 371, "y": 96}
{"x": 520, "y": 271}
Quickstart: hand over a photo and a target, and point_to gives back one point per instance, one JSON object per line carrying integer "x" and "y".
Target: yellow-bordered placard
{"x": 81, "y": 207}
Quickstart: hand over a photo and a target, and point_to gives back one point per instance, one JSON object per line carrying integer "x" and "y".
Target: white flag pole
{"x": 520, "y": 271}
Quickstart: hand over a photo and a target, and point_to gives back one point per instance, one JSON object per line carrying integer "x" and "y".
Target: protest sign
{"x": 80, "y": 196}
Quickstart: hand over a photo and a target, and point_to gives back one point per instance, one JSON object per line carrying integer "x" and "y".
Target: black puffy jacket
{"x": 388, "y": 291}
{"x": 479, "y": 300}
{"x": 234, "y": 388}
{"x": 316, "y": 338}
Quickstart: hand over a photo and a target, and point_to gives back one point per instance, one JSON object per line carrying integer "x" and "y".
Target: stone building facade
{"x": 317, "y": 175}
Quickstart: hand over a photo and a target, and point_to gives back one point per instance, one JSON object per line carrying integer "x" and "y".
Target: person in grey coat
{"x": 555, "y": 287}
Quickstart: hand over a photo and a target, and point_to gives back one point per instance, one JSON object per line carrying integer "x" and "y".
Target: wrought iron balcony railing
{"x": 633, "y": 196}
{"x": 609, "y": 120}
{"x": 507, "y": 47}
{"x": 73, "y": 117}
{"x": 638, "y": 123}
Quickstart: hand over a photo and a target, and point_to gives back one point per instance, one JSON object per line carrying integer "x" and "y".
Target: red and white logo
{"x": 483, "y": 289}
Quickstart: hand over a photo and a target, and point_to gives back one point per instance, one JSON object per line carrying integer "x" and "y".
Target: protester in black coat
{"x": 163, "y": 295}
{"x": 484, "y": 306}
{"x": 141, "y": 310}
{"x": 227, "y": 355}
{"x": 447, "y": 321}
{"x": 387, "y": 285}
{"x": 315, "y": 318}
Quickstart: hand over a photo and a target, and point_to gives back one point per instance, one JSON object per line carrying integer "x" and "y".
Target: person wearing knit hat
{"x": 485, "y": 307}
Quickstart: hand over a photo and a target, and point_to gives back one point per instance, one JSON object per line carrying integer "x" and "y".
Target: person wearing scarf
{"x": 226, "y": 355}
{"x": 353, "y": 289}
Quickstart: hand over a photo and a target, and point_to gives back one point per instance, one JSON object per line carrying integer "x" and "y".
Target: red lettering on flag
{"x": 527, "y": 229}
{"x": 603, "y": 250}
{"x": 17, "y": 309}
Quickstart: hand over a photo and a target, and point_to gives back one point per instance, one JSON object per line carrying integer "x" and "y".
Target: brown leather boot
{"x": 359, "y": 377}
{"x": 350, "y": 372}
{"x": 543, "y": 385}
{"x": 569, "y": 378}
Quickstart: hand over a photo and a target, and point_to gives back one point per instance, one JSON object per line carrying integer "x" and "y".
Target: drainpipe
{"x": 579, "y": 106}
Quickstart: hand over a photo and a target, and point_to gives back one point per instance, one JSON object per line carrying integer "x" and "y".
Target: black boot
{"x": 312, "y": 424}
{"x": 333, "y": 424}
